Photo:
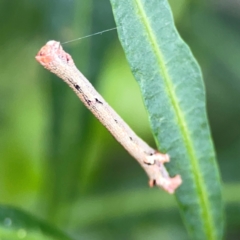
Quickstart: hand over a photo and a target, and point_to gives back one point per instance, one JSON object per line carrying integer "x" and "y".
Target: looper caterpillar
{"x": 55, "y": 59}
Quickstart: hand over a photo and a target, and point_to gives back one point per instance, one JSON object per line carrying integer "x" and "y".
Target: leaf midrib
{"x": 201, "y": 189}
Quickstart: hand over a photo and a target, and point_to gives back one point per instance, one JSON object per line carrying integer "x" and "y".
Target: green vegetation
{"x": 173, "y": 92}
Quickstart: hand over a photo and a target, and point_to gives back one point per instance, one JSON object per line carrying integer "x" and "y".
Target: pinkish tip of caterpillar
{"x": 46, "y": 53}
{"x": 52, "y": 51}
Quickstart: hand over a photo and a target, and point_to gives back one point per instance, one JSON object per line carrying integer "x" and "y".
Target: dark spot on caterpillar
{"x": 154, "y": 182}
{"x": 149, "y": 163}
{"x": 67, "y": 58}
{"x": 116, "y": 120}
{"x": 88, "y": 102}
{"x": 77, "y": 87}
{"x": 98, "y": 101}
{"x": 131, "y": 138}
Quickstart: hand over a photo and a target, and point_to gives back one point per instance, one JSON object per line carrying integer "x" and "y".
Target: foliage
{"x": 173, "y": 92}
{"x": 15, "y": 224}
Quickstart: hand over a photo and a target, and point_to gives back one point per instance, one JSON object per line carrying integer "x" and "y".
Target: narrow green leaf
{"x": 15, "y": 224}
{"x": 173, "y": 92}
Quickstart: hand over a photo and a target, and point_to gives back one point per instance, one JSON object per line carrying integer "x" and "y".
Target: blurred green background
{"x": 59, "y": 164}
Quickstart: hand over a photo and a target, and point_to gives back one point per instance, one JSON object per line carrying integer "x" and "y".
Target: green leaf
{"x": 15, "y": 224}
{"x": 172, "y": 87}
